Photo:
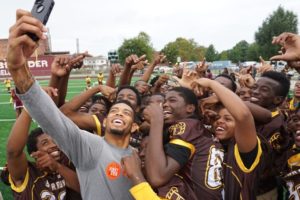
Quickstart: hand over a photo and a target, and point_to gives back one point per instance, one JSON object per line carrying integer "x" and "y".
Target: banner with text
{"x": 39, "y": 67}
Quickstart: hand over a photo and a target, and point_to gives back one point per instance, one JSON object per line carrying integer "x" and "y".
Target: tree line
{"x": 279, "y": 21}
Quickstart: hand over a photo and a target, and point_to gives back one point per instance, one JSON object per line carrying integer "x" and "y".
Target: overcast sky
{"x": 103, "y": 25}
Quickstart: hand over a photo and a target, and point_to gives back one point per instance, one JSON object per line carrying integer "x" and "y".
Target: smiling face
{"x": 46, "y": 144}
{"x": 224, "y": 127}
{"x": 98, "y": 109}
{"x": 175, "y": 108}
{"x": 294, "y": 127}
{"x": 119, "y": 120}
{"x": 128, "y": 95}
{"x": 245, "y": 93}
{"x": 264, "y": 93}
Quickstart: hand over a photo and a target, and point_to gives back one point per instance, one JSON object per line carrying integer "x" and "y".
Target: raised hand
{"x": 153, "y": 112}
{"x": 77, "y": 60}
{"x": 199, "y": 85}
{"x": 135, "y": 61}
{"x": 159, "y": 59}
{"x": 140, "y": 65}
{"x": 162, "y": 80}
{"x": 60, "y": 66}
{"x": 201, "y": 68}
{"x": 178, "y": 71}
{"x": 246, "y": 70}
{"x": 44, "y": 160}
{"x": 188, "y": 77}
{"x": 208, "y": 102}
{"x": 108, "y": 92}
{"x": 290, "y": 43}
{"x": 264, "y": 66}
{"x": 206, "y": 106}
{"x": 246, "y": 80}
{"x": 115, "y": 69}
{"x": 132, "y": 168}
{"x": 20, "y": 45}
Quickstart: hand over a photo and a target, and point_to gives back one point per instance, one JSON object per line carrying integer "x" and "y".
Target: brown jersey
{"x": 207, "y": 168}
{"x": 279, "y": 140}
{"x": 240, "y": 182}
{"x": 292, "y": 175}
{"x": 184, "y": 139}
{"x": 70, "y": 193}
{"x": 39, "y": 185}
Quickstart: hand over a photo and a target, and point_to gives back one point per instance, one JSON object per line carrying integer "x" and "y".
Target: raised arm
{"x": 131, "y": 61}
{"x": 159, "y": 166}
{"x": 245, "y": 133}
{"x": 40, "y": 106}
{"x": 260, "y": 114}
{"x": 83, "y": 120}
{"x": 114, "y": 70}
{"x": 16, "y": 159}
{"x": 60, "y": 72}
{"x": 157, "y": 60}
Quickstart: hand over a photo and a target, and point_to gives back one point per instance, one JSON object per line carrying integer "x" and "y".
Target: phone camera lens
{"x": 39, "y": 8}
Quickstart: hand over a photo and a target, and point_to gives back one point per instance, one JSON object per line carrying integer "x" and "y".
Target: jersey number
{"x": 213, "y": 172}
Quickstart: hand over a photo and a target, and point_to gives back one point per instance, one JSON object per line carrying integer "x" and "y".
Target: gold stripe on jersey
{"x": 240, "y": 162}
{"x": 98, "y": 125}
{"x": 292, "y": 105}
{"x": 231, "y": 170}
{"x": 22, "y": 187}
{"x": 184, "y": 144}
{"x": 34, "y": 182}
{"x": 294, "y": 161}
{"x": 275, "y": 113}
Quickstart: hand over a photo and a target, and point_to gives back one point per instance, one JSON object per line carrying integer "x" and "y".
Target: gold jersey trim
{"x": 36, "y": 180}
{"x": 240, "y": 162}
{"x": 294, "y": 161}
{"x": 275, "y": 113}
{"x": 23, "y": 186}
{"x": 190, "y": 146}
{"x": 98, "y": 125}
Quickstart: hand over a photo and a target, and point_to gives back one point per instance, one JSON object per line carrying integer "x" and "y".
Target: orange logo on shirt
{"x": 113, "y": 170}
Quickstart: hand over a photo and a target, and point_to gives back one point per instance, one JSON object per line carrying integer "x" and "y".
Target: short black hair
{"x": 127, "y": 103}
{"x": 234, "y": 87}
{"x": 32, "y": 140}
{"x": 96, "y": 98}
{"x": 280, "y": 78}
{"x": 189, "y": 97}
{"x": 138, "y": 96}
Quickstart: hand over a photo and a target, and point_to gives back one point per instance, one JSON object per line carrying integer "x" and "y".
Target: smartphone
{"x": 41, "y": 10}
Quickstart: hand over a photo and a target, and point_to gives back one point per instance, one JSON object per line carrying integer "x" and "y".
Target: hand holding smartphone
{"x": 41, "y": 10}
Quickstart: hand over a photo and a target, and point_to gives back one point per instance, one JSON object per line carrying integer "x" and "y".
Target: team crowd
{"x": 189, "y": 136}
